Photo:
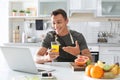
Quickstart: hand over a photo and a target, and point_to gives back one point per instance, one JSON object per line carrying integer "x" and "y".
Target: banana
{"x": 109, "y": 75}
{"x": 119, "y": 69}
{"x": 115, "y": 69}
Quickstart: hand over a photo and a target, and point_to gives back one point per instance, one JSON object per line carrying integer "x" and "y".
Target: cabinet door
{"x": 109, "y": 54}
{"x": 82, "y": 4}
{"x": 45, "y": 7}
{"x": 75, "y": 4}
{"x": 108, "y": 8}
{"x": 108, "y": 59}
{"x": 89, "y": 4}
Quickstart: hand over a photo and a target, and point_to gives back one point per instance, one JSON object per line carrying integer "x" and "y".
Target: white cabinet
{"x": 38, "y": 8}
{"x": 45, "y": 7}
{"x": 108, "y": 8}
{"x": 81, "y": 6}
{"x": 21, "y": 8}
{"x": 109, "y": 55}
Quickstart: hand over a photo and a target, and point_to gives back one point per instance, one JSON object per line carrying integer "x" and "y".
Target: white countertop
{"x": 62, "y": 71}
{"x": 23, "y": 44}
{"x": 39, "y": 44}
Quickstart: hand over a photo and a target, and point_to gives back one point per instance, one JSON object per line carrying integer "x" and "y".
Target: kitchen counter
{"x": 104, "y": 44}
{"x": 39, "y": 44}
{"x": 23, "y": 44}
{"x": 63, "y": 71}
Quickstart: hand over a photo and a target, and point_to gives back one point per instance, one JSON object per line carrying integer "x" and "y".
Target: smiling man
{"x": 72, "y": 43}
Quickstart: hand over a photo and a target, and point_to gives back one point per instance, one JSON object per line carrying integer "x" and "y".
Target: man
{"x": 71, "y": 42}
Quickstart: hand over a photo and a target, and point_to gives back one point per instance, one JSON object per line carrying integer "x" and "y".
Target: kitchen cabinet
{"x": 82, "y": 6}
{"x": 108, "y": 8}
{"x": 23, "y": 6}
{"x": 16, "y": 19}
{"x": 38, "y": 8}
{"x": 47, "y": 6}
{"x": 109, "y": 55}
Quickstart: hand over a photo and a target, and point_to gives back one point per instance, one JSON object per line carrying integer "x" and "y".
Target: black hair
{"x": 59, "y": 11}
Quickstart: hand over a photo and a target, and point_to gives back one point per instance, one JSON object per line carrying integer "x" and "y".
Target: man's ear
{"x": 67, "y": 21}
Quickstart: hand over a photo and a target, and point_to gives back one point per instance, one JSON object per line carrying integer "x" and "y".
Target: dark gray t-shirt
{"x": 65, "y": 41}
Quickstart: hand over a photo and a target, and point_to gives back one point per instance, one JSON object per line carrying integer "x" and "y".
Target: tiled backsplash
{"x": 90, "y": 30}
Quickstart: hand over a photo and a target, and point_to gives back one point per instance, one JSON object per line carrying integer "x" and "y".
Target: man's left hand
{"x": 73, "y": 50}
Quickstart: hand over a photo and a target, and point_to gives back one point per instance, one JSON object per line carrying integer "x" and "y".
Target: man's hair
{"x": 59, "y": 11}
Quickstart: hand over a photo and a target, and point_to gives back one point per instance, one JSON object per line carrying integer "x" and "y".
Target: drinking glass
{"x": 55, "y": 48}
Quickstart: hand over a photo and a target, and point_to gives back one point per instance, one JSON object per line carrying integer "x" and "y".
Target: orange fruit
{"x": 96, "y": 72}
{"x": 80, "y": 62}
{"x": 83, "y": 57}
{"x": 87, "y": 70}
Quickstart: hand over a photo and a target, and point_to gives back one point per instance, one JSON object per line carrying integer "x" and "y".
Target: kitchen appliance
{"x": 39, "y": 24}
{"x": 94, "y": 50}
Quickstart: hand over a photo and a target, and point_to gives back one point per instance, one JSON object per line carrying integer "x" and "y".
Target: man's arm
{"x": 41, "y": 56}
{"x": 86, "y": 52}
{"x": 76, "y": 50}
{"x": 45, "y": 55}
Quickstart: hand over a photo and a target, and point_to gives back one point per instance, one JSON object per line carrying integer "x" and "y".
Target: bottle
{"x": 16, "y": 35}
{"x": 24, "y": 36}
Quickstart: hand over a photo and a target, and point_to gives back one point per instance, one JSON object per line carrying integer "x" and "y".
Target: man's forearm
{"x": 42, "y": 59}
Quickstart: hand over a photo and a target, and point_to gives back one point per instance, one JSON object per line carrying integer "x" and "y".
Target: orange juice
{"x": 54, "y": 47}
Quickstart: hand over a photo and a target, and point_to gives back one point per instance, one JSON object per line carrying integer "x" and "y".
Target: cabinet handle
{"x": 113, "y": 50}
{"x": 114, "y": 59}
{"x": 117, "y": 58}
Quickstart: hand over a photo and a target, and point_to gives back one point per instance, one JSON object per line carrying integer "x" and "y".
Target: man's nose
{"x": 56, "y": 26}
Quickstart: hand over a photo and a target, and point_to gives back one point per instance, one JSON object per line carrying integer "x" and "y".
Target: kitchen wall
{"x": 90, "y": 26}
{"x": 86, "y": 23}
{"x": 4, "y": 21}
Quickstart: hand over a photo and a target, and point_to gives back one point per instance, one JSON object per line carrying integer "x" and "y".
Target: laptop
{"x": 21, "y": 59}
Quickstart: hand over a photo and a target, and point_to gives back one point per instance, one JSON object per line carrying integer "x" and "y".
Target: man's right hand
{"x": 52, "y": 55}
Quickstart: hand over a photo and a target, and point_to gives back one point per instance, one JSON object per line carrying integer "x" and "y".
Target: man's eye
{"x": 59, "y": 22}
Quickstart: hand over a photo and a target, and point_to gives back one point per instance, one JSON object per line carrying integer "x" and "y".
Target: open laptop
{"x": 20, "y": 59}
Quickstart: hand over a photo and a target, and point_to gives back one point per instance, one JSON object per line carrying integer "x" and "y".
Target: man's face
{"x": 59, "y": 24}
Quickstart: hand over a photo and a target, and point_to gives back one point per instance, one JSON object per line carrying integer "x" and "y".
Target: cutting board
{"x": 77, "y": 68}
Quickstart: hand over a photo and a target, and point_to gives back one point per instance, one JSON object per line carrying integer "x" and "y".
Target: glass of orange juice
{"x": 55, "y": 46}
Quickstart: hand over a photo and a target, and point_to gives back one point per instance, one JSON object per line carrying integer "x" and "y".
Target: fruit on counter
{"x": 115, "y": 69}
{"x": 88, "y": 62}
{"x": 106, "y": 67}
{"x": 119, "y": 69}
{"x": 87, "y": 70}
{"x": 81, "y": 60}
{"x": 109, "y": 75}
{"x": 96, "y": 72}
{"x": 83, "y": 57}
{"x": 100, "y": 64}
{"x": 102, "y": 70}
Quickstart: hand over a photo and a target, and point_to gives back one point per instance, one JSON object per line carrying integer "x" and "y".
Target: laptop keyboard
{"x": 40, "y": 70}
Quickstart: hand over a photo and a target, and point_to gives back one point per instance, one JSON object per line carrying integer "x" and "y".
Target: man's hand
{"x": 73, "y": 50}
{"x": 52, "y": 55}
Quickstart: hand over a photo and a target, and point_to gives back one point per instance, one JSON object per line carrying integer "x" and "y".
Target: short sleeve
{"x": 47, "y": 40}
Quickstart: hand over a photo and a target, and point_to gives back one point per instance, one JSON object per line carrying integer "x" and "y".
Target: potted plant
{"x": 14, "y": 12}
{"x": 22, "y": 13}
{"x": 27, "y": 12}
